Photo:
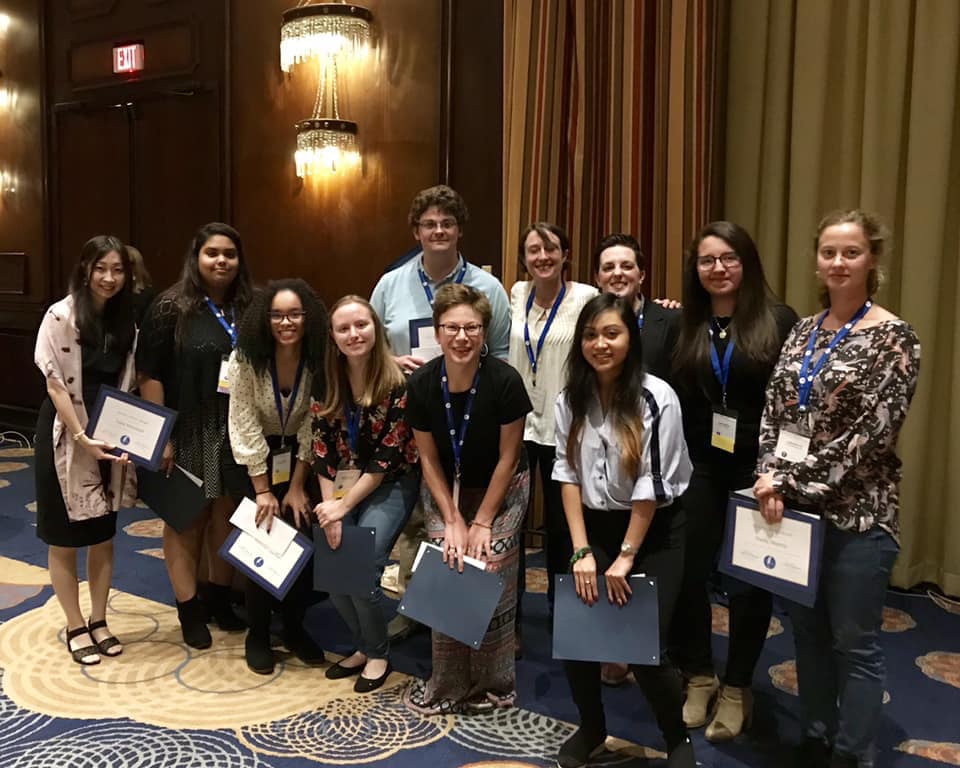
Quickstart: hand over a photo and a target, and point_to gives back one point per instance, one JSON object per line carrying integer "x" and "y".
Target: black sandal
{"x": 104, "y": 646}
{"x": 80, "y": 655}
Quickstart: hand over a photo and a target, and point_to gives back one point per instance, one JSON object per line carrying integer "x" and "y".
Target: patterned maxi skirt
{"x": 464, "y": 679}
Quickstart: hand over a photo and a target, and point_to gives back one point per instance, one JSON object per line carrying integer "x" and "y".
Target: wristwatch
{"x": 627, "y": 549}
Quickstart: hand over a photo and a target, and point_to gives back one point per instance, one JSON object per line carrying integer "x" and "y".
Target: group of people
{"x": 423, "y": 412}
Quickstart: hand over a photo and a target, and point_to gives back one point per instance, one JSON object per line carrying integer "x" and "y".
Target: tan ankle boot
{"x": 700, "y": 692}
{"x": 734, "y": 713}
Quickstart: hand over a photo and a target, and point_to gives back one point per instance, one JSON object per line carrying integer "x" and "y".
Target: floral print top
{"x": 859, "y": 400}
{"x": 385, "y": 443}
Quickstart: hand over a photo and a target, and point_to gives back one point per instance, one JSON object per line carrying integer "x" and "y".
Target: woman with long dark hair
{"x": 188, "y": 335}
{"x": 731, "y": 331}
{"x": 85, "y": 340}
{"x": 366, "y": 462}
{"x": 828, "y": 441}
{"x": 619, "y": 424}
{"x": 277, "y": 365}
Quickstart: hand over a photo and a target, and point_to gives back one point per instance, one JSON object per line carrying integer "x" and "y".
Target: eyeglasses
{"x": 728, "y": 260}
{"x": 431, "y": 224}
{"x": 453, "y": 329}
{"x": 294, "y": 316}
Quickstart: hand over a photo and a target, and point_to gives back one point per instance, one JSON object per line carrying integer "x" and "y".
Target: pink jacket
{"x": 58, "y": 356}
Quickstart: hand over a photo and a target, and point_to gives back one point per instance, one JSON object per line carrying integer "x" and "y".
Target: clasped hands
{"x": 460, "y": 541}
{"x": 771, "y": 502}
{"x": 617, "y": 578}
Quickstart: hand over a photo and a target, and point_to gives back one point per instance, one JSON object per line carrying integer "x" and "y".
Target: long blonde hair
{"x": 382, "y": 374}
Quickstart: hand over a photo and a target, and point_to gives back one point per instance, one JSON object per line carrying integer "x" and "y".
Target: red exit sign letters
{"x": 127, "y": 58}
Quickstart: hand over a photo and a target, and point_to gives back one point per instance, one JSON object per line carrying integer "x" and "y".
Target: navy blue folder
{"x": 805, "y": 594}
{"x": 177, "y": 500}
{"x": 459, "y": 605}
{"x": 279, "y": 591}
{"x": 604, "y": 631}
{"x": 350, "y": 568}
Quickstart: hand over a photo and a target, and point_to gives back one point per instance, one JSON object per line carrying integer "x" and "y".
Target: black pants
{"x": 661, "y": 555}
{"x": 557, "y": 536}
{"x": 705, "y": 503}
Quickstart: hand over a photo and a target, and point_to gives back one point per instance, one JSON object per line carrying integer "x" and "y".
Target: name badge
{"x": 344, "y": 481}
{"x": 792, "y": 446}
{"x": 281, "y": 462}
{"x": 724, "y": 431}
{"x": 538, "y": 398}
{"x": 223, "y": 378}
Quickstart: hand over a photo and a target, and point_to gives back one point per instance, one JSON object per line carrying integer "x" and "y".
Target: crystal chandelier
{"x": 323, "y": 30}
{"x": 326, "y": 144}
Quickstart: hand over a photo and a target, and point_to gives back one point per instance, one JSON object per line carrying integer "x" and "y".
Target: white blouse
{"x": 552, "y": 362}
{"x": 253, "y": 416}
{"x": 665, "y": 467}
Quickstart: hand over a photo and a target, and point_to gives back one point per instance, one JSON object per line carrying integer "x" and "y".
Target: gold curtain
{"x": 855, "y": 104}
{"x": 609, "y": 125}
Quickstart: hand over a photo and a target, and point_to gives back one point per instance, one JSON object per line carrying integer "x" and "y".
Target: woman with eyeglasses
{"x": 367, "y": 465}
{"x": 467, "y": 410}
{"x": 186, "y": 340}
{"x": 828, "y": 441}
{"x": 731, "y": 331}
{"x": 272, "y": 372}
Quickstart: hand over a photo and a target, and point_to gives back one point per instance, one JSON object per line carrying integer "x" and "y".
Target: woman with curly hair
{"x": 187, "y": 336}
{"x": 274, "y": 369}
{"x": 367, "y": 467}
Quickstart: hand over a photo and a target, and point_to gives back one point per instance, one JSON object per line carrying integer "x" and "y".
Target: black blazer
{"x": 657, "y": 338}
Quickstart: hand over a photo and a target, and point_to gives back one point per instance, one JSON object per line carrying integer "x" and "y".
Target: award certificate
{"x": 133, "y": 425}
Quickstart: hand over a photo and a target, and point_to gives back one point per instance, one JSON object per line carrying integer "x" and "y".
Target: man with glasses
{"x": 403, "y": 298}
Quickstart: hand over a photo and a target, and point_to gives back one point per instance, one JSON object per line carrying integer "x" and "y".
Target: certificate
{"x": 277, "y": 539}
{"x": 423, "y": 339}
{"x": 275, "y": 573}
{"x": 135, "y": 426}
{"x": 783, "y": 557}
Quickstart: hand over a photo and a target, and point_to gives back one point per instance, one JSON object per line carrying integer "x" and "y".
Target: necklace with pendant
{"x": 721, "y": 329}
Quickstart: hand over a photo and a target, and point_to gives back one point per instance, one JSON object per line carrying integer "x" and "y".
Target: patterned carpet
{"x": 164, "y": 704}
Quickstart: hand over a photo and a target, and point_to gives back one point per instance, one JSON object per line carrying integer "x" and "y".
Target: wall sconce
{"x": 324, "y": 29}
{"x": 8, "y": 98}
{"x": 4, "y": 23}
{"x": 8, "y": 188}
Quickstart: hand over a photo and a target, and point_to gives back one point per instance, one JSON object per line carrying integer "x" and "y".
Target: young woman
{"x": 731, "y": 331}
{"x": 278, "y": 358}
{"x": 835, "y": 404}
{"x": 188, "y": 335}
{"x": 85, "y": 340}
{"x": 616, "y": 422}
{"x": 367, "y": 465}
{"x": 544, "y": 312}
{"x": 467, "y": 410}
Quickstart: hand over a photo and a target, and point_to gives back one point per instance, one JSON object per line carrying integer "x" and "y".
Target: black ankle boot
{"x": 193, "y": 623}
{"x": 218, "y": 601}
{"x": 840, "y": 760}
{"x": 258, "y": 654}
{"x": 304, "y": 647}
{"x": 681, "y": 756}
{"x": 813, "y": 753}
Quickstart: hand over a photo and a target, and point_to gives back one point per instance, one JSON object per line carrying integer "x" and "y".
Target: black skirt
{"x": 53, "y": 525}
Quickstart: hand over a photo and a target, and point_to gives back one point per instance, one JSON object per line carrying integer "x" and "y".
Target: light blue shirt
{"x": 399, "y": 298}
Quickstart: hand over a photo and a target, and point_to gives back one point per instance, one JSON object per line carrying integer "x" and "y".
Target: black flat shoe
{"x": 87, "y": 655}
{"x": 108, "y": 643}
{"x": 339, "y": 672}
{"x": 366, "y": 685}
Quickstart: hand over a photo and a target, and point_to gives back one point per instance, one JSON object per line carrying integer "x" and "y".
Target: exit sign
{"x": 127, "y": 58}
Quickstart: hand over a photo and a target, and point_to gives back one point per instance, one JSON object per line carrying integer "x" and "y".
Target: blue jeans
{"x": 386, "y": 510}
{"x": 840, "y": 664}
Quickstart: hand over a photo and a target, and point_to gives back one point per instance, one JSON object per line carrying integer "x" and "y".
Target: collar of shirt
{"x": 453, "y": 272}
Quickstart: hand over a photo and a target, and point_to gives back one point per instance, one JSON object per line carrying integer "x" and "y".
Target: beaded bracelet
{"x": 261, "y": 493}
{"x": 580, "y": 554}
{"x": 77, "y": 436}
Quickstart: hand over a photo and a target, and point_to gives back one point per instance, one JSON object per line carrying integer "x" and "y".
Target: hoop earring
{"x": 484, "y": 350}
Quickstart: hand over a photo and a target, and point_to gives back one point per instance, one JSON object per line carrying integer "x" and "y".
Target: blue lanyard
{"x": 640, "y": 322}
{"x": 456, "y": 440}
{"x": 806, "y": 375}
{"x": 546, "y": 328}
{"x": 231, "y": 327}
{"x": 425, "y": 281}
{"x": 721, "y": 371}
{"x": 276, "y": 395}
{"x": 352, "y": 417}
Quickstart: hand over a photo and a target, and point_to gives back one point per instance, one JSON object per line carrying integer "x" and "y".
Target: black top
{"x": 746, "y": 392}
{"x": 501, "y": 399}
{"x": 189, "y": 371}
{"x": 657, "y": 339}
{"x": 99, "y": 367}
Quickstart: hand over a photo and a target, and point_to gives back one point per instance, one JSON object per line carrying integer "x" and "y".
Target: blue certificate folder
{"x": 783, "y": 559}
{"x": 605, "y": 631}
{"x": 149, "y": 458}
{"x": 177, "y": 500}
{"x": 459, "y": 605}
{"x": 275, "y": 574}
{"x": 350, "y": 569}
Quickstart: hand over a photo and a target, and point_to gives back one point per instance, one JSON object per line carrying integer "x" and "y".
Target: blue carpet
{"x": 921, "y": 721}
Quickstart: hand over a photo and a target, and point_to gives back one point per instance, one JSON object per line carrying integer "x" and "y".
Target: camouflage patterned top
{"x": 857, "y": 405}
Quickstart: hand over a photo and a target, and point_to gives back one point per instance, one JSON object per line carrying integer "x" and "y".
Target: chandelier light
{"x": 326, "y": 143}
{"x": 323, "y": 30}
